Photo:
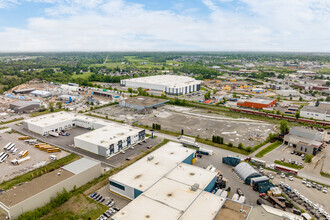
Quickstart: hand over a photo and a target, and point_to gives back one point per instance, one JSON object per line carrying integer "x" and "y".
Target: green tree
{"x": 51, "y": 106}
{"x": 230, "y": 144}
{"x": 284, "y": 127}
{"x": 249, "y": 149}
{"x": 240, "y": 146}
{"x": 278, "y": 98}
{"x": 308, "y": 158}
{"x": 207, "y": 95}
{"x": 59, "y": 105}
{"x": 300, "y": 99}
{"x": 328, "y": 97}
{"x": 278, "y": 112}
{"x": 297, "y": 115}
{"x": 130, "y": 90}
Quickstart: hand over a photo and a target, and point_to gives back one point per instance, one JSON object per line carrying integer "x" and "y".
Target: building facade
{"x": 169, "y": 84}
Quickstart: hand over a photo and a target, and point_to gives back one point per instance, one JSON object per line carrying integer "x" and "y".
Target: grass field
{"x": 288, "y": 164}
{"x": 268, "y": 149}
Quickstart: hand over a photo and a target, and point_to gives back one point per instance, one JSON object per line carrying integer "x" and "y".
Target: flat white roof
{"x": 172, "y": 193}
{"x": 206, "y": 206}
{"x": 145, "y": 208}
{"x": 144, "y": 173}
{"x": 188, "y": 174}
{"x": 166, "y": 80}
{"x": 111, "y": 133}
{"x": 50, "y": 119}
{"x": 80, "y": 165}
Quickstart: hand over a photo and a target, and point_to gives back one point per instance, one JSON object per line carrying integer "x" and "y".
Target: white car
{"x": 290, "y": 178}
{"x": 304, "y": 181}
{"x": 270, "y": 176}
{"x": 308, "y": 184}
{"x": 325, "y": 190}
{"x": 282, "y": 175}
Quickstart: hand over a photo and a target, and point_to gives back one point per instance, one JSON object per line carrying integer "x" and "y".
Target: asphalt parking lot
{"x": 233, "y": 181}
{"x": 283, "y": 151}
{"x": 312, "y": 194}
{"x": 120, "y": 202}
{"x": 131, "y": 153}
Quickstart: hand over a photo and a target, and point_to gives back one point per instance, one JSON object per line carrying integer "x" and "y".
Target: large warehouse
{"x": 39, "y": 191}
{"x": 106, "y": 139}
{"x": 170, "y": 84}
{"x": 164, "y": 185}
{"x": 138, "y": 177}
{"x": 257, "y": 103}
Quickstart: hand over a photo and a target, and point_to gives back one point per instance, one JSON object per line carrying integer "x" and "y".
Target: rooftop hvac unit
{"x": 195, "y": 187}
{"x": 150, "y": 158}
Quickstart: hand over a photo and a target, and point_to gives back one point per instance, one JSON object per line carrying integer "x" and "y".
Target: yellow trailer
{"x": 46, "y": 146}
{"x": 23, "y": 138}
{"x": 52, "y": 150}
{"x": 39, "y": 145}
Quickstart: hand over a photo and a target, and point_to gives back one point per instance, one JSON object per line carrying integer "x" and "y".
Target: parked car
{"x": 319, "y": 187}
{"x": 301, "y": 164}
{"x": 296, "y": 163}
{"x": 149, "y": 147}
{"x": 282, "y": 175}
{"x": 308, "y": 184}
{"x": 292, "y": 152}
{"x": 291, "y": 178}
{"x": 93, "y": 195}
{"x": 304, "y": 181}
{"x": 116, "y": 208}
{"x": 283, "y": 159}
{"x": 325, "y": 189}
{"x": 270, "y": 176}
{"x": 314, "y": 185}
{"x": 303, "y": 155}
{"x": 102, "y": 200}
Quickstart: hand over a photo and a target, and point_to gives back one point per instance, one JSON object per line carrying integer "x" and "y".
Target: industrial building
{"x": 103, "y": 94}
{"x": 23, "y": 91}
{"x": 141, "y": 103}
{"x": 141, "y": 175}
{"x": 39, "y": 191}
{"x": 41, "y": 93}
{"x": 70, "y": 88}
{"x": 164, "y": 185}
{"x": 321, "y": 112}
{"x": 257, "y": 103}
{"x": 24, "y": 106}
{"x": 246, "y": 172}
{"x": 304, "y": 140}
{"x": 106, "y": 139}
{"x": 170, "y": 84}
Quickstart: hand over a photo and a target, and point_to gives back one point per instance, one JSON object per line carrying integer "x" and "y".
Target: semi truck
{"x": 3, "y": 157}
{"x": 7, "y": 145}
{"x": 185, "y": 140}
{"x": 31, "y": 141}
{"x": 19, "y": 161}
{"x": 23, "y": 154}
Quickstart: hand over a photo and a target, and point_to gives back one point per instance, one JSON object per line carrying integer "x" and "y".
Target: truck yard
{"x": 37, "y": 159}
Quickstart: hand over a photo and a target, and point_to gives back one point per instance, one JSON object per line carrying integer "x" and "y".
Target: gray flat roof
{"x": 145, "y": 101}
{"x": 80, "y": 165}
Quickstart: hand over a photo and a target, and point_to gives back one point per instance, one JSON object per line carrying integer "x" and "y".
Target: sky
{"x": 164, "y": 25}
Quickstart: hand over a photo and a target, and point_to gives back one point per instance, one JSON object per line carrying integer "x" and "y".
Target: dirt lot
{"x": 38, "y": 158}
{"x": 196, "y": 122}
{"x": 77, "y": 207}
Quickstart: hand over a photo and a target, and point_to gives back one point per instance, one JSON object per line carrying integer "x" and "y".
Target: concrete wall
{"x": 314, "y": 115}
{"x": 44, "y": 197}
{"x": 128, "y": 192}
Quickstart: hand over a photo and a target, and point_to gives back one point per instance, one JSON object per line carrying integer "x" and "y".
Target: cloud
{"x": 118, "y": 25}
{"x": 7, "y": 3}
